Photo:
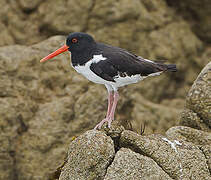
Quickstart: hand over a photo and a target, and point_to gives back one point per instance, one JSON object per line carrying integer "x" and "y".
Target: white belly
{"x": 123, "y": 81}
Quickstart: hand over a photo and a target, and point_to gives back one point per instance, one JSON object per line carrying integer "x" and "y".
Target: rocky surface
{"x": 177, "y": 158}
{"x": 190, "y": 135}
{"x": 200, "y": 138}
{"x": 197, "y": 13}
{"x": 144, "y": 157}
{"x": 197, "y": 113}
{"x": 28, "y": 21}
{"x": 128, "y": 164}
{"x": 89, "y": 156}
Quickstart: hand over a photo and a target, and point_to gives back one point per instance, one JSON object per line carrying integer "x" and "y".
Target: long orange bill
{"x": 55, "y": 53}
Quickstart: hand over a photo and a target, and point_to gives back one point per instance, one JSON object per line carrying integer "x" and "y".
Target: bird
{"x": 111, "y": 66}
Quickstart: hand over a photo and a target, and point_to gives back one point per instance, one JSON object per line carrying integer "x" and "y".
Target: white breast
{"x": 85, "y": 70}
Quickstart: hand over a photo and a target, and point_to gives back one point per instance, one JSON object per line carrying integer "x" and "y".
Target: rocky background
{"x": 43, "y": 106}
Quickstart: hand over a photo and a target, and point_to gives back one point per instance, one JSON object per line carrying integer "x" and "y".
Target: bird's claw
{"x": 108, "y": 119}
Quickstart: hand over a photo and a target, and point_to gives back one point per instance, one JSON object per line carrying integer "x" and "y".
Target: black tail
{"x": 171, "y": 68}
{"x": 167, "y": 67}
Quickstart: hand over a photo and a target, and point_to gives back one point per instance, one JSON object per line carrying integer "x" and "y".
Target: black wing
{"x": 105, "y": 70}
{"x": 121, "y": 62}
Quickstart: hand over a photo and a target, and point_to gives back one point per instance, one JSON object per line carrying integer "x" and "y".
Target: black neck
{"x": 83, "y": 56}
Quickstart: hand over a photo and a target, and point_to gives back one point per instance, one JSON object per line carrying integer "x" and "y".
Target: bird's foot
{"x": 108, "y": 119}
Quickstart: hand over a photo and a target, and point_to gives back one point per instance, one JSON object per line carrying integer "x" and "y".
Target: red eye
{"x": 74, "y": 40}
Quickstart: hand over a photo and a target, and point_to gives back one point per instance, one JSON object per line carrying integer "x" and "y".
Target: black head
{"x": 81, "y": 46}
{"x": 78, "y": 42}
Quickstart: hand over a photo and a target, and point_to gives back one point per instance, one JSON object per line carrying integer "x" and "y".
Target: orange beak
{"x": 55, "y": 53}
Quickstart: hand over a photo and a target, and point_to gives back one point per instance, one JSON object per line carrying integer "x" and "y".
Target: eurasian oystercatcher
{"x": 112, "y": 66}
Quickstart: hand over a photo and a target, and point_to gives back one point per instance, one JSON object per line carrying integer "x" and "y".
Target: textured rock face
{"x": 28, "y": 21}
{"x": 145, "y": 157}
{"x": 190, "y": 135}
{"x": 88, "y": 155}
{"x": 197, "y": 13}
{"x": 130, "y": 165}
{"x": 198, "y": 102}
{"x": 177, "y": 158}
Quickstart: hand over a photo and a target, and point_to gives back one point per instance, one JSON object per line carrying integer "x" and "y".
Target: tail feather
{"x": 157, "y": 65}
{"x": 171, "y": 68}
{"x": 167, "y": 67}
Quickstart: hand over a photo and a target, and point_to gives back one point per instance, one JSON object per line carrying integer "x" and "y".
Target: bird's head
{"x": 75, "y": 42}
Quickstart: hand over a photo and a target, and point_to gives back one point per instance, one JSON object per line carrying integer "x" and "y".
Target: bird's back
{"x": 125, "y": 62}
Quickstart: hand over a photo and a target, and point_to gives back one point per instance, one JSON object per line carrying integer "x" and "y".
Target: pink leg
{"x": 113, "y": 109}
{"x": 112, "y": 102}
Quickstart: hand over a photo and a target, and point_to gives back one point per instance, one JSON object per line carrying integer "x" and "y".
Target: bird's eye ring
{"x": 74, "y": 40}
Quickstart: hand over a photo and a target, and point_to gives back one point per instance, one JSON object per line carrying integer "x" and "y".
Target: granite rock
{"x": 197, "y": 113}
{"x": 89, "y": 155}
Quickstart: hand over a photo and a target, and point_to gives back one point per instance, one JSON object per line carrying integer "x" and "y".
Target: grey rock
{"x": 206, "y": 150}
{"x": 191, "y": 135}
{"x": 174, "y": 156}
{"x": 129, "y": 165}
{"x": 197, "y": 113}
{"x": 197, "y": 137}
{"x": 179, "y": 159}
{"x": 89, "y": 155}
